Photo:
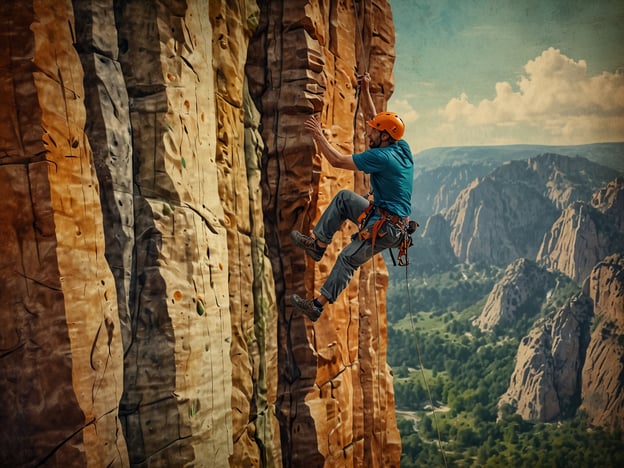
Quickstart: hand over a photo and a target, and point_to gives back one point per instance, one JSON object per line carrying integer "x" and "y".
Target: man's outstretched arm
{"x": 366, "y": 100}
{"x": 335, "y": 157}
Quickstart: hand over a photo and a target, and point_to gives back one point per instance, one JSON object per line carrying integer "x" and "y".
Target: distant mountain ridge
{"x": 552, "y": 220}
{"x": 607, "y": 154}
{"x": 505, "y": 214}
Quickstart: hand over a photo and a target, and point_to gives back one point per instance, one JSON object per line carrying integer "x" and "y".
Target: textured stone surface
{"x": 546, "y": 382}
{"x": 505, "y": 215}
{"x": 335, "y": 396}
{"x": 610, "y": 201}
{"x": 252, "y": 301}
{"x": 176, "y": 405}
{"x": 575, "y": 242}
{"x": 586, "y": 232}
{"x": 139, "y": 305}
{"x": 522, "y": 282}
{"x": 61, "y": 369}
{"x": 603, "y": 389}
{"x": 562, "y": 366}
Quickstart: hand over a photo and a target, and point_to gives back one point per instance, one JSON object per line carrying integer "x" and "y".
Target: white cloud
{"x": 405, "y": 110}
{"x": 555, "y": 97}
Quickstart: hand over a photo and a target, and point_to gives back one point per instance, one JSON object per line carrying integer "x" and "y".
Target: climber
{"x": 383, "y": 220}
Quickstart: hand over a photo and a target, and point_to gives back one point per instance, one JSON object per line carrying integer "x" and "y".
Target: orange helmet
{"x": 389, "y": 122}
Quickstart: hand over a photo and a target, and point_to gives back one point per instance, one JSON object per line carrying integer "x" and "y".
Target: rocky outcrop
{"x": 431, "y": 248}
{"x": 335, "y": 397}
{"x": 546, "y": 382}
{"x": 517, "y": 295}
{"x": 562, "y": 366}
{"x": 145, "y": 220}
{"x": 609, "y": 200}
{"x": 497, "y": 221}
{"x": 603, "y": 388}
{"x": 557, "y": 177}
{"x": 505, "y": 215}
{"x": 586, "y": 233}
{"x": 435, "y": 190}
{"x": 575, "y": 242}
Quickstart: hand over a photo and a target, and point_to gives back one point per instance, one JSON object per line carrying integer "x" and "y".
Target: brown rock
{"x": 585, "y": 233}
{"x": 62, "y": 360}
{"x": 523, "y": 281}
{"x": 610, "y": 201}
{"x": 574, "y": 243}
{"x": 603, "y": 395}
{"x": 546, "y": 381}
{"x": 560, "y": 365}
{"x": 335, "y": 399}
{"x": 506, "y": 214}
{"x": 140, "y": 306}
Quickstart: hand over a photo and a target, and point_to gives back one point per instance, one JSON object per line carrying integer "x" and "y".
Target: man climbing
{"x": 384, "y": 220}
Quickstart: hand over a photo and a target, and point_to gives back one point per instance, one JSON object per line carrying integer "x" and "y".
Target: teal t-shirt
{"x": 391, "y": 172}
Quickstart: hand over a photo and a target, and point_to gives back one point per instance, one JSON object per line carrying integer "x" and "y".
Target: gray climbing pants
{"x": 348, "y": 205}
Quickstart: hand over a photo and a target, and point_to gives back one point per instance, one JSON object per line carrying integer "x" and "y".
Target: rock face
{"x": 546, "y": 382}
{"x": 609, "y": 200}
{"x": 435, "y": 190}
{"x": 562, "y": 366}
{"x": 335, "y": 397}
{"x": 62, "y": 356}
{"x": 523, "y": 285}
{"x": 586, "y": 232}
{"x": 603, "y": 388}
{"x": 431, "y": 245}
{"x": 144, "y": 314}
{"x": 505, "y": 215}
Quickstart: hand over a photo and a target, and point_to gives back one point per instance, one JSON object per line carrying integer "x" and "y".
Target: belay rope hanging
{"x": 361, "y": 71}
{"x": 403, "y": 260}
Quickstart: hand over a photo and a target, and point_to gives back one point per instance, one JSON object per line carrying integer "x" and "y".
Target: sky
{"x": 498, "y": 72}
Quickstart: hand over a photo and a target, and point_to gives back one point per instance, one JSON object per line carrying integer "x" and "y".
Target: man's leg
{"x": 345, "y": 205}
{"x": 355, "y": 255}
{"x": 350, "y": 259}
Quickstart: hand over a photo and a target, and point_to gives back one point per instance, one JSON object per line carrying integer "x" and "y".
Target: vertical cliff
{"x": 146, "y": 200}
{"x": 62, "y": 356}
{"x": 546, "y": 382}
{"x": 585, "y": 233}
{"x": 335, "y": 396}
{"x": 573, "y": 360}
{"x": 516, "y": 295}
{"x": 603, "y": 388}
{"x": 506, "y": 214}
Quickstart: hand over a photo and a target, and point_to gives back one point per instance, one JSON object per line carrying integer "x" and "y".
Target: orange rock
{"x": 145, "y": 221}
{"x": 335, "y": 397}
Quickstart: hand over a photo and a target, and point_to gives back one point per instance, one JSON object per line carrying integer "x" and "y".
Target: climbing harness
{"x": 406, "y": 227}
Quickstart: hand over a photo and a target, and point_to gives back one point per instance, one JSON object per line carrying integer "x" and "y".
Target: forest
{"x": 441, "y": 362}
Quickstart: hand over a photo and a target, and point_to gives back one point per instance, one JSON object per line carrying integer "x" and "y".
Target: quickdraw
{"x": 406, "y": 243}
{"x": 406, "y": 226}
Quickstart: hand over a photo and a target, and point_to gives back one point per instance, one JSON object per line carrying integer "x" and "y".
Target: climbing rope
{"x": 361, "y": 37}
{"x": 362, "y": 69}
{"x": 422, "y": 367}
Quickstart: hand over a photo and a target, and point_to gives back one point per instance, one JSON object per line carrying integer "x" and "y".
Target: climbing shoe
{"x": 308, "y": 244}
{"x": 307, "y": 306}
